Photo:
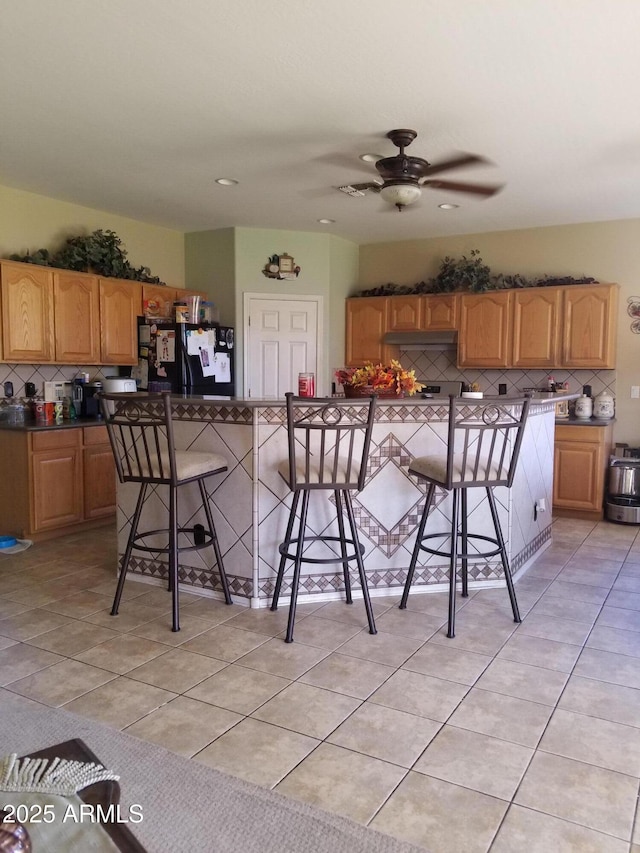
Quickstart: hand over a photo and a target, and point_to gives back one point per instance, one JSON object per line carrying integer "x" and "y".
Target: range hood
{"x": 422, "y": 340}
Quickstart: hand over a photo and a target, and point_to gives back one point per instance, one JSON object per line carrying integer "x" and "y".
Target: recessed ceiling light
{"x": 326, "y": 221}
{"x": 448, "y": 206}
{"x": 370, "y": 158}
{"x": 226, "y": 182}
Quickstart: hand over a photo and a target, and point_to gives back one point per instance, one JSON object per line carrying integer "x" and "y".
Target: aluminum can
{"x": 306, "y": 385}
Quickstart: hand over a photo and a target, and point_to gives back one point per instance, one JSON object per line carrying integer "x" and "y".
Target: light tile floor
{"x": 507, "y": 738}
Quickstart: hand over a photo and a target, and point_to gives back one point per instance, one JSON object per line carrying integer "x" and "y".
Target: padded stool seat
{"x": 482, "y": 450}
{"x": 140, "y": 430}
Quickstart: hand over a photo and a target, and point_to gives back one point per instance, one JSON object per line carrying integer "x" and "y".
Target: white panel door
{"x": 282, "y": 340}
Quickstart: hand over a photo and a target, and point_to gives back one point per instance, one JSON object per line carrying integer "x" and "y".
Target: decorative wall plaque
{"x": 281, "y": 267}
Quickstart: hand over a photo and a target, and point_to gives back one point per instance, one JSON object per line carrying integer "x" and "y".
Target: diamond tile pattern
{"x": 250, "y": 502}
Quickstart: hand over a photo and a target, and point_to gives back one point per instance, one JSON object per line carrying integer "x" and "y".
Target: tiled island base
{"x": 250, "y": 502}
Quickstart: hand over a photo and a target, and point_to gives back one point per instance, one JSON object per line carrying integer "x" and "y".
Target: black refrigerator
{"x": 185, "y": 358}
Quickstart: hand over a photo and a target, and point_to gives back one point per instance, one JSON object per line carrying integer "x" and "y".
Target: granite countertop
{"x": 32, "y": 426}
{"x": 253, "y": 402}
{"x": 573, "y": 421}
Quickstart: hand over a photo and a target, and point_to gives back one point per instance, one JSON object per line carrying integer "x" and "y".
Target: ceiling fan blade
{"x": 368, "y": 186}
{"x": 476, "y": 189}
{"x": 457, "y": 163}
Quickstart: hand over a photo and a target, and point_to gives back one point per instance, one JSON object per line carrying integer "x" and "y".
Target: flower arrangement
{"x": 379, "y": 379}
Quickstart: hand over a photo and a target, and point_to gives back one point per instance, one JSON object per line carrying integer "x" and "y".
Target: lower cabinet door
{"x": 57, "y": 488}
{"x": 99, "y": 481}
{"x": 577, "y": 483}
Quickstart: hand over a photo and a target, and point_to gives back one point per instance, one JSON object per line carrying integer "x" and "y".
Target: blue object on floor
{"x": 8, "y": 541}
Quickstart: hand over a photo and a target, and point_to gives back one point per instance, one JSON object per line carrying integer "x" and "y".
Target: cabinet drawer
{"x": 95, "y": 435}
{"x": 54, "y": 439}
{"x": 583, "y": 434}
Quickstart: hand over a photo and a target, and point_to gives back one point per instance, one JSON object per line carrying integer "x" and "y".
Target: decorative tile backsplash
{"x": 434, "y": 365}
{"x": 40, "y": 373}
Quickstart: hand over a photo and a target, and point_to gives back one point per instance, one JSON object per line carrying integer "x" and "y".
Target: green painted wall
{"x": 210, "y": 265}
{"x": 329, "y": 268}
{"x": 29, "y": 222}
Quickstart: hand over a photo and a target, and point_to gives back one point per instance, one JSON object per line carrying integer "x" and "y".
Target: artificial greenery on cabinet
{"x": 470, "y": 274}
{"x": 100, "y": 252}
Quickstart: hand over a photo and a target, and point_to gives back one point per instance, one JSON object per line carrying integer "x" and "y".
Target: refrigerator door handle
{"x": 188, "y": 368}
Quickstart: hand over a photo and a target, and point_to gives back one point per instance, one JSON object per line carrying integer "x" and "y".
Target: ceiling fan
{"x": 403, "y": 176}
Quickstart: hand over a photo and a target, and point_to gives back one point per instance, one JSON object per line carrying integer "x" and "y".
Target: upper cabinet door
{"x": 27, "y": 313}
{"x": 536, "y": 327}
{"x": 405, "y": 313}
{"x": 589, "y": 335}
{"x": 485, "y": 329}
{"x": 120, "y": 303}
{"x": 77, "y": 323}
{"x": 440, "y": 312}
{"x": 366, "y": 323}
{"x": 157, "y": 301}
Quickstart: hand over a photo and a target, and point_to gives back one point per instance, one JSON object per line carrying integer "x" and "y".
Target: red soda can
{"x": 306, "y": 385}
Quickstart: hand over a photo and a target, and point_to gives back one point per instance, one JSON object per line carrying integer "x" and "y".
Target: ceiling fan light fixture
{"x": 400, "y": 193}
{"x": 448, "y": 206}
{"x": 226, "y": 182}
{"x": 370, "y": 158}
{"x": 326, "y": 221}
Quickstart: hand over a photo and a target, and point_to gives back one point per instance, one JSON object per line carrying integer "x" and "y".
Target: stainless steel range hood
{"x": 422, "y": 340}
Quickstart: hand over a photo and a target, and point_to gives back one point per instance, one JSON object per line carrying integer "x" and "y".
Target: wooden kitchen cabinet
{"x": 120, "y": 303}
{"x": 366, "y": 323}
{"x": 26, "y": 292}
{"x": 589, "y": 326}
{"x": 580, "y": 460}
{"x": 76, "y": 299}
{"x": 420, "y": 313}
{"x": 440, "y": 312}
{"x": 164, "y": 297}
{"x": 56, "y": 460}
{"x": 99, "y": 474}
{"x": 57, "y": 481}
{"x": 484, "y": 335}
{"x": 536, "y": 327}
{"x": 405, "y": 313}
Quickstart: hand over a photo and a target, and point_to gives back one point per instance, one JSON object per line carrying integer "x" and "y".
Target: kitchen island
{"x": 250, "y": 501}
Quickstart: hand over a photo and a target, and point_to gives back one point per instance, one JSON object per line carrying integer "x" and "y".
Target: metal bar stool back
{"x": 328, "y": 449}
{"x": 483, "y": 447}
{"x": 140, "y": 430}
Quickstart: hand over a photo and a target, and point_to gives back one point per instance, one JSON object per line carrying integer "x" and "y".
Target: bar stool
{"x": 328, "y": 450}
{"x": 141, "y": 434}
{"x": 482, "y": 451}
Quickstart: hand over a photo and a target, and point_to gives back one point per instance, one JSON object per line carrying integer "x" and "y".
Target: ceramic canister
{"x": 584, "y": 407}
{"x": 603, "y": 406}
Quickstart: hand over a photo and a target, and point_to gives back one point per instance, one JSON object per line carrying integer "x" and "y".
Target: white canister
{"x": 603, "y": 406}
{"x": 584, "y": 407}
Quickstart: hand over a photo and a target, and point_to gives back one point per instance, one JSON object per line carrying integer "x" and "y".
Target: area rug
{"x": 188, "y": 807}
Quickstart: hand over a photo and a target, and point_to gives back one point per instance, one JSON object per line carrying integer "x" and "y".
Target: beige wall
{"x": 607, "y": 251}
{"x": 29, "y": 222}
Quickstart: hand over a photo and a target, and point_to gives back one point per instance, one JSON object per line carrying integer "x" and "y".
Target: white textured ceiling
{"x": 136, "y": 106}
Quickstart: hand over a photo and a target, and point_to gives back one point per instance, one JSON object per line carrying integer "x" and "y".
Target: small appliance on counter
{"x": 85, "y": 401}
{"x": 622, "y": 503}
{"x": 439, "y": 388}
{"x": 119, "y": 385}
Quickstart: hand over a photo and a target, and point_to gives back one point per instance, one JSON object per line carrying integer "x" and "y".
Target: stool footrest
{"x": 206, "y": 543}
{"x": 470, "y": 555}
{"x": 309, "y": 539}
